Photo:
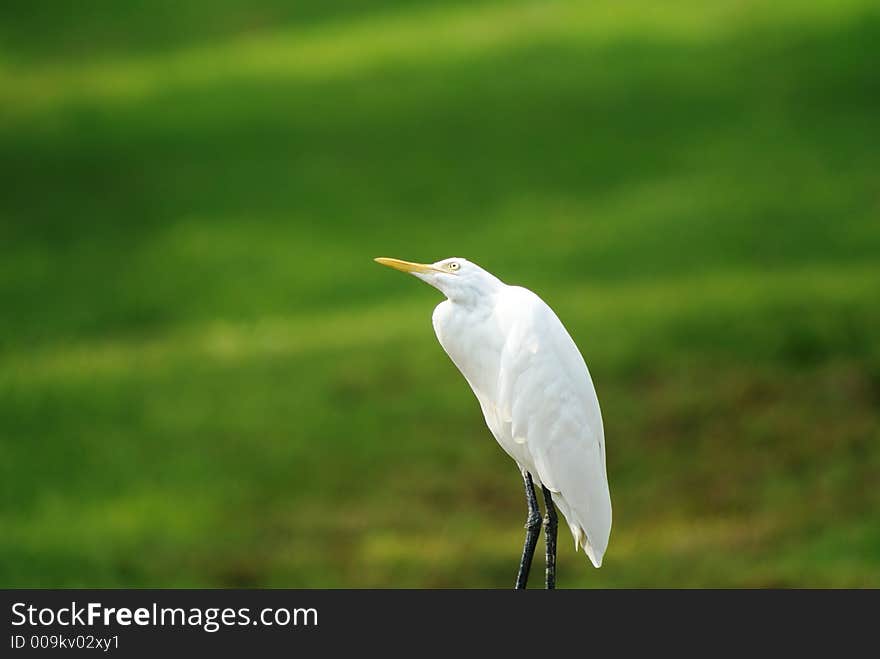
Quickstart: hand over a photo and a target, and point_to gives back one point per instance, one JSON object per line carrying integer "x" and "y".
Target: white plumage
{"x": 533, "y": 386}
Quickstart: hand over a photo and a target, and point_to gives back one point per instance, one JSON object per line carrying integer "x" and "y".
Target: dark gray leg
{"x": 533, "y": 530}
{"x": 550, "y": 525}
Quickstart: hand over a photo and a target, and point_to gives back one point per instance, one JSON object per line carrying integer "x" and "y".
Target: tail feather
{"x": 594, "y": 548}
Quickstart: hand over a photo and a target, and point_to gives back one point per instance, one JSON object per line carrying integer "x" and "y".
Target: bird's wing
{"x": 545, "y": 390}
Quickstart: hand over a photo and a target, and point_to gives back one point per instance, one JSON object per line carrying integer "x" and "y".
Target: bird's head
{"x": 456, "y": 278}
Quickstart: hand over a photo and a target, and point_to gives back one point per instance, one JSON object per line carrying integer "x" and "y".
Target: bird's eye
{"x": 453, "y": 266}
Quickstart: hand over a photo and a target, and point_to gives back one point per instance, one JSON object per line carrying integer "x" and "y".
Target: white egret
{"x": 536, "y": 395}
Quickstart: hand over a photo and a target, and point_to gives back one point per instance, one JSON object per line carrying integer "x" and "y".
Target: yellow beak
{"x": 405, "y": 266}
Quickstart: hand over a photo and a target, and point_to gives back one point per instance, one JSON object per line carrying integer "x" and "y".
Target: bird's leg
{"x": 533, "y": 530}
{"x": 550, "y": 525}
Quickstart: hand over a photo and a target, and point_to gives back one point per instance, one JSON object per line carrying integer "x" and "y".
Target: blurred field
{"x": 205, "y": 381}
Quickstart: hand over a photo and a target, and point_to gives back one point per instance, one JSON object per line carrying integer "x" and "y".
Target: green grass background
{"x": 205, "y": 381}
